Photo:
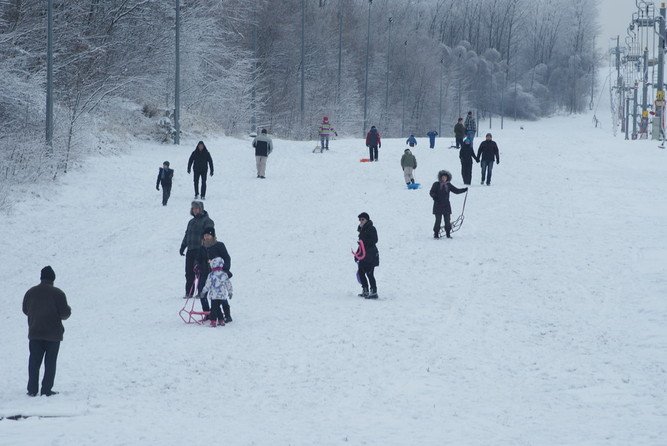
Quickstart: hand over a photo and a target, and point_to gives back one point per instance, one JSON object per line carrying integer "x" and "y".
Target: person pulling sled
{"x": 441, "y": 206}
{"x": 367, "y": 256}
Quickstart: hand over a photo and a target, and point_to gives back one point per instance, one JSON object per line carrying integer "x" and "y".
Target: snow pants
{"x": 438, "y": 223}
{"x": 459, "y": 141}
{"x": 260, "y": 161}
{"x": 487, "y": 168}
{"x": 407, "y": 174}
{"x": 47, "y": 351}
{"x": 197, "y": 176}
{"x": 366, "y": 276}
{"x": 373, "y": 152}
{"x": 431, "y": 143}
{"x": 220, "y": 313}
{"x": 166, "y": 193}
{"x": 324, "y": 142}
{"x": 466, "y": 171}
{"x": 191, "y": 259}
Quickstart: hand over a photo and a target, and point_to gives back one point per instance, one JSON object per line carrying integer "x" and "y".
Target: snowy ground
{"x": 541, "y": 323}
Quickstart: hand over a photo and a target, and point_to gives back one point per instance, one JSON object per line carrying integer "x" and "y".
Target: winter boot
{"x": 227, "y": 311}
{"x": 364, "y": 293}
{"x": 221, "y": 322}
{"x": 213, "y": 323}
{"x": 412, "y": 181}
{"x": 373, "y": 294}
{"x": 436, "y": 235}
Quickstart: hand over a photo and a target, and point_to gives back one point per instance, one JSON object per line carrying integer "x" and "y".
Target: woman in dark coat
{"x": 367, "y": 256}
{"x": 466, "y": 155}
{"x": 441, "y": 206}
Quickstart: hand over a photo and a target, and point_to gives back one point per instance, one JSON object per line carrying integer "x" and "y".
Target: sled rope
{"x": 361, "y": 251}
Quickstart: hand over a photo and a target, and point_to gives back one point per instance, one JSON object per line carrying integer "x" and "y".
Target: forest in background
{"x": 429, "y": 62}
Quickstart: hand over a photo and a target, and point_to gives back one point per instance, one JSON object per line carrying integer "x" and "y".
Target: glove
{"x": 231, "y": 295}
{"x": 211, "y": 173}
{"x": 336, "y": 133}
{"x": 188, "y": 170}
{"x": 181, "y": 251}
{"x": 497, "y": 162}
{"x": 465, "y": 189}
{"x": 229, "y": 274}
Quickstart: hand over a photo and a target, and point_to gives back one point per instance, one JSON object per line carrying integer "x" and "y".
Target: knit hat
{"x": 364, "y": 215}
{"x": 209, "y": 231}
{"x": 264, "y": 131}
{"x": 325, "y": 119}
{"x": 47, "y": 274}
{"x": 166, "y": 163}
{"x": 407, "y": 151}
{"x": 466, "y": 141}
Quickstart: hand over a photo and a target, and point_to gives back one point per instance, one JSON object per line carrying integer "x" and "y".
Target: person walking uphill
{"x": 411, "y": 141}
{"x": 373, "y": 143}
{"x": 325, "y": 131}
{"x": 409, "y": 164}
{"x": 200, "y": 160}
{"x": 441, "y": 206}
{"x": 466, "y": 155}
{"x": 459, "y": 132}
{"x": 263, "y": 147}
{"x": 164, "y": 177}
{"x": 46, "y": 308}
{"x": 471, "y": 127}
{"x": 192, "y": 241}
{"x": 431, "y": 138}
{"x": 367, "y": 256}
{"x": 487, "y": 152}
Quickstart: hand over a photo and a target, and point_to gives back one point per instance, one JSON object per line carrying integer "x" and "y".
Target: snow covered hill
{"x": 542, "y": 322}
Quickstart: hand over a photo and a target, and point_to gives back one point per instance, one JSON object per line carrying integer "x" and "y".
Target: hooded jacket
{"x": 440, "y": 195}
{"x": 46, "y": 308}
{"x": 411, "y": 141}
{"x": 369, "y": 236}
{"x": 195, "y": 230}
{"x": 373, "y": 138}
{"x": 218, "y": 286}
{"x": 201, "y": 159}
{"x": 408, "y": 160}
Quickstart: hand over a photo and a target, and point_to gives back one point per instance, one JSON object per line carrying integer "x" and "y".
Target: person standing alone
{"x": 373, "y": 143}
{"x": 325, "y": 131}
{"x": 471, "y": 127}
{"x": 459, "y": 132}
{"x": 164, "y": 177}
{"x": 200, "y": 160}
{"x": 46, "y": 308}
{"x": 263, "y": 147}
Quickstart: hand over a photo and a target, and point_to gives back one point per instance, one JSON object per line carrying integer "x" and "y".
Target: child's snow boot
{"x": 213, "y": 323}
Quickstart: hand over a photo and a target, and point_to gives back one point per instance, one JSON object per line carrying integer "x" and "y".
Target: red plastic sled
{"x": 365, "y": 160}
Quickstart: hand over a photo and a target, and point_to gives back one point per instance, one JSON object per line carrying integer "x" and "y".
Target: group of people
{"x": 207, "y": 266}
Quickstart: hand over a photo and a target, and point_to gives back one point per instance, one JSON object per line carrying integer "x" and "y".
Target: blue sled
{"x": 414, "y": 186}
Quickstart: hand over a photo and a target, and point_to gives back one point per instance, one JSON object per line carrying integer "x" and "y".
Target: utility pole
{"x": 368, "y": 49}
{"x": 635, "y": 93}
{"x": 303, "y": 60}
{"x": 177, "y": 77}
{"x": 405, "y": 56}
{"x": 253, "y": 119}
{"x": 49, "y": 75}
{"x": 340, "y": 46}
{"x": 627, "y": 116}
{"x": 660, "y": 93}
{"x": 442, "y": 67}
{"x": 386, "y": 90}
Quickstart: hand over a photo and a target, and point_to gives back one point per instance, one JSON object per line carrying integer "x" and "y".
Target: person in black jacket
{"x": 487, "y": 152}
{"x": 164, "y": 176}
{"x": 367, "y": 256}
{"x": 466, "y": 155}
{"x": 200, "y": 160}
{"x": 441, "y": 206}
{"x": 212, "y": 249}
{"x": 46, "y": 308}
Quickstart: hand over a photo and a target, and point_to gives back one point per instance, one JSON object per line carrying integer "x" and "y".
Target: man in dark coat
{"x": 441, "y": 206}
{"x": 373, "y": 142}
{"x": 200, "y": 160}
{"x": 192, "y": 240}
{"x": 487, "y": 153}
{"x": 212, "y": 249}
{"x": 367, "y": 258}
{"x": 164, "y": 177}
{"x": 46, "y": 308}
{"x": 459, "y": 132}
{"x": 466, "y": 155}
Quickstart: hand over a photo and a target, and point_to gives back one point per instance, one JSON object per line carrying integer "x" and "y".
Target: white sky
{"x": 615, "y": 16}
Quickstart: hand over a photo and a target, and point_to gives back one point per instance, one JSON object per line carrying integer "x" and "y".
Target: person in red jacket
{"x": 373, "y": 143}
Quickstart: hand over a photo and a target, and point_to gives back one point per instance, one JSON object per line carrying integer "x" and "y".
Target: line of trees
{"x": 242, "y": 60}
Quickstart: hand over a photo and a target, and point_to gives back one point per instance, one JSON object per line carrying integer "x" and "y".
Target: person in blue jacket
{"x": 431, "y": 138}
{"x": 411, "y": 141}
